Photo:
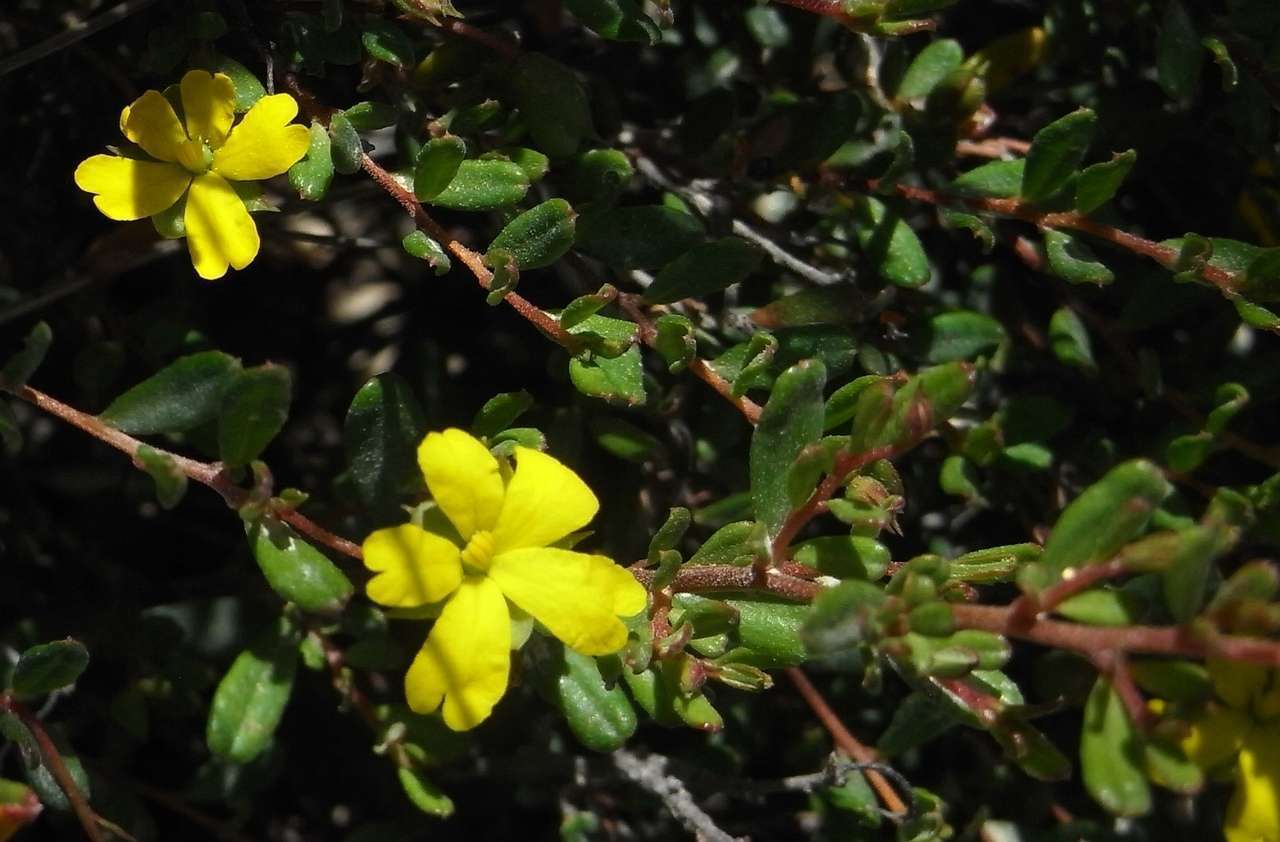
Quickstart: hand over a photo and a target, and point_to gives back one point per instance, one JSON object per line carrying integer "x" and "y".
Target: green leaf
{"x": 47, "y": 667}
{"x": 10, "y": 432}
{"x": 179, "y": 397}
{"x": 791, "y": 421}
{"x": 600, "y": 175}
{"x": 1179, "y": 54}
{"x": 345, "y": 147}
{"x": 206, "y": 26}
{"x": 959, "y": 477}
{"x": 385, "y": 41}
{"x": 674, "y": 340}
{"x": 1099, "y": 182}
{"x": 248, "y": 87}
{"x": 171, "y": 482}
{"x": 599, "y": 715}
{"x": 250, "y": 699}
{"x": 1262, "y": 277}
{"x": 844, "y": 618}
{"x": 735, "y": 543}
{"x": 437, "y": 165}
{"x": 617, "y": 20}
{"x": 618, "y": 379}
{"x": 533, "y": 163}
{"x": 423, "y": 794}
{"x": 993, "y": 564}
{"x": 19, "y": 367}
{"x": 1177, "y": 681}
{"x": 1056, "y": 151}
{"x": 624, "y": 439}
{"x": 768, "y": 633}
{"x": 768, "y": 26}
{"x": 254, "y": 409}
{"x": 1186, "y": 453}
{"x": 703, "y": 270}
{"x": 959, "y": 335}
{"x": 917, "y": 720}
{"x": 483, "y": 185}
{"x": 1070, "y": 259}
{"x": 1103, "y": 607}
{"x": 930, "y": 66}
{"x": 500, "y": 412}
{"x": 994, "y": 180}
{"x": 382, "y": 430}
{"x": 1222, "y": 58}
{"x": 974, "y": 224}
{"x": 1105, "y": 517}
{"x": 890, "y": 245}
{"x": 312, "y": 175}
{"x": 844, "y": 556}
{"x": 368, "y": 116}
{"x": 1185, "y": 581}
{"x": 417, "y": 244}
{"x": 637, "y": 237}
{"x": 552, "y": 102}
{"x": 1111, "y": 754}
{"x": 297, "y": 571}
{"x": 540, "y": 236}
{"x": 1069, "y": 340}
{"x": 840, "y": 304}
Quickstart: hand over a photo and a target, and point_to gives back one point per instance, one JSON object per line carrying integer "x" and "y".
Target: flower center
{"x": 195, "y": 156}
{"x": 478, "y": 554}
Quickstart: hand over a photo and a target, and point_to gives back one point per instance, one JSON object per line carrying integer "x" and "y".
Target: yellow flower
{"x": 507, "y": 522}
{"x": 1244, "y": 722}
{"x": 198, "y": 161}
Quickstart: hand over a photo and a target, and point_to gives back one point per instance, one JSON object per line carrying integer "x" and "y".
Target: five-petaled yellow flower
{"x": 1243, "y": 722}
{"x": 198, "y": 161}
{"x": 508, "y": 521}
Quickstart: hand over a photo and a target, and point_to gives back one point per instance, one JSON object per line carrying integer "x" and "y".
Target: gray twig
{"x": 76, "y": 33}
{"x": 650, "y": 773}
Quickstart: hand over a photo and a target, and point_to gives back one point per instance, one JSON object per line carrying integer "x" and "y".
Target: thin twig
{"x": 53, "y": 760}
{"x": 846, "y": 741}
{"x": 651, "y": 774}
{"x": 75, "y": 34}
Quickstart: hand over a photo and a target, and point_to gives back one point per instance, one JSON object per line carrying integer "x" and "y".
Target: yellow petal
{"x": 264, "y": 144}
{"x": 572, "y": 594}
{"x": 465, "y": 661}
{"x": 464, "y": 479}
{"x": 627, "y": 596}
{"x": 209, "y": 104}
{"x": 1238, "y": 683}
{"x": 1254, "y": 812}
{"x": 128, "y": 189}
{"x": 1215, "y": 736}
{"x": 414, "y": 567}
{"x": 151, "y": 123}
{"x": 545, "y": 502}
{"x": 220, "y": 231}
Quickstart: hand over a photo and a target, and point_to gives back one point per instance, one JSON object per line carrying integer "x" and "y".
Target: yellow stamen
{"x": 478, "y": 553}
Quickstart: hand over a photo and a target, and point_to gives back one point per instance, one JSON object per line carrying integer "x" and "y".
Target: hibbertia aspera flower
{"x": 198, "y": 162}
{"x": 508, "y": 521}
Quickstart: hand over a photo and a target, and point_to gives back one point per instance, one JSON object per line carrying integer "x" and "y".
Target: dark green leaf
{"x": 19, "y": 367}
{"x": 345, "y": 147}
{"x": 617, "y": 20}
{"x": 600, "y": 175}
{"x": 423, "y": 794}
{"x": 675, "y": 341}
{"x": 930, "y": 66}
{"x": 540, "y": 236}
{"x": 995, "y": 180}
{"x": 437, "y": 165}
{"x": 247, "y": 86}
{"x": 624, "y": 439}
{"x": 417, "y": 244}
{"x": 10, "y": 432}
{"x": 385, "y": 41}
{"x": 297, "y": 571}
{"x": 48, "y": 666}
{"x": 1069, "y": 258}
{"x": 1179, "y": 54}
{"x": 1099, "y": 182}
{"x": 500, "y": 412}
{"x": 734, "y": 543}
{"x": 250, "y": 699}
{"x": 822, "y": 305}
{"x": 383, "y": 428}
{"x": 890, "y": 245}
{"x": 600, "y": 716}
{"x": 1069, "y": 340}
{"x": 533, "y": 163}
{"x": 959, "y": 335}
{"x": 972, "y": 223}
{"x": 1186, "y": 579}
{"x": 638, "y": 237}
{"x": 552, "y": 102}
{"x": 618, "y": 379}
{"x": 1056, "y": 151}
{"x": 254, "y": 409}
{"x": 703, "y": 270}
{"x": 179, "y": 397}
{"x": 1262, "y": 277}
{"x": 368, "y": 116}
{"x": 484, "y": 185}
{"x": 768, "y": 26}
{"x": 1111, "y": 754}
{"x": 844, "y": 556}
{"x": 312, "y": 175}
{"x": 791, "y": 421}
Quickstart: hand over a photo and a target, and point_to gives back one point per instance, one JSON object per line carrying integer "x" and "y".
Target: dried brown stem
{"x": 992, "y": 147}
{"x": 53, "y": 759}
{"x": 845, "y": 739}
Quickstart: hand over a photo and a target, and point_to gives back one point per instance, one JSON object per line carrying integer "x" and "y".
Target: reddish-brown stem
{"x": 845, "y": 740}
{"x": 633, "y": 306}
{"x": 501, "y": 46}
{"x": 726, "y": 577}
{"x": 846, "y": 464}
{"x": 208, "y": 474}
{"x": 992, "y": 147}
{"x": 1023, "y": 610}
{"x": 834, "y": 9}
{"x": 474, "y": 262}
{"x": 1115, "y": 666}
{"x": 1166, "y": 256}
{"x": 53, "y": 759}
